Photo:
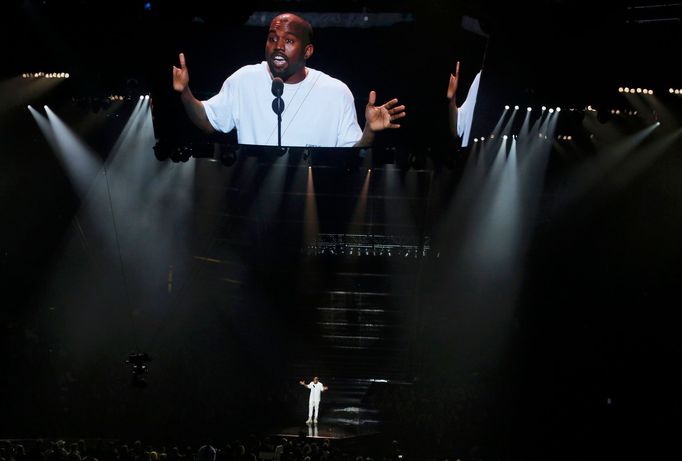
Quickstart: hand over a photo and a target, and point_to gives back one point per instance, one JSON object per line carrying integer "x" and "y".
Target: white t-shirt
{"x": 315, "y": 391}
{"x": 465, "y": 113}
{"x": 318, "y": 111}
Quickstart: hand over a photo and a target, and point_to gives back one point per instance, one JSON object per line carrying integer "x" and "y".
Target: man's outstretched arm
{"x": 194, "y": 108}
{"x": 452, "y": 97}
{"x": 378, "y": 118}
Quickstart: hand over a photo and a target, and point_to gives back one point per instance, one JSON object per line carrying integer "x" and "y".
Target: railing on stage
{"x": 349, "y": 158}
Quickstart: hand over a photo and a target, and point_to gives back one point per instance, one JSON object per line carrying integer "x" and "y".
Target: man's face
{"x": 315, "y": 379}
{"x": 286, "y": 48}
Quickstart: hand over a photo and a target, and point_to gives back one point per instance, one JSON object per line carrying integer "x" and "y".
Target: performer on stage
{"x": 318, "y": 110}
{"x": 316, "y": 389}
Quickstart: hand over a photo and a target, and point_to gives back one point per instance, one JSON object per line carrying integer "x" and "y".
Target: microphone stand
{"x": 278, "y": 105}
{"x": 279, "y": 123}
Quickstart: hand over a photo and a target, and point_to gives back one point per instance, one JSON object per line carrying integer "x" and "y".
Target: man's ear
{"x": 309, "y": 49}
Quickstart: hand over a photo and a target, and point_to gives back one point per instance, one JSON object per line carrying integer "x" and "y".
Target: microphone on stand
{"x": 278, "y": 105}
{"x": 277, "y": 87}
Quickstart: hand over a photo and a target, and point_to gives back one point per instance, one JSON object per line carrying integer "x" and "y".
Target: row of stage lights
{"x": 115, "y": 97}
{"x": 45, "y": 75}
{"x": 514, "y": 136}
{"x": 635, "y": 90}
{"x": 625, "y": 89}
{"x": 105, "y": 102}
{"x": 529, "y": 109}
{"x": 384, "y": 251}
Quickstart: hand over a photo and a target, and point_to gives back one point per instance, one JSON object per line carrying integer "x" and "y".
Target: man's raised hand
{"x": 381, "y": 117}
{"x": 452, "y": 84}
{"x": 180, "y": 76}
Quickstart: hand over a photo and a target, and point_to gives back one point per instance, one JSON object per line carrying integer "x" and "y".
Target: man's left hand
{"x": 381, "y": 117}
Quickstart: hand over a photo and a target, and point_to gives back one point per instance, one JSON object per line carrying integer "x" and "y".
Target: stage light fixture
{"x": 529, "y": 108}
{"x": 620, "y": 89}
{"x": 161, "y": 150}
{"x": 506, "y": 107}
{"x": 639, "y": 90}
{"x": 544, "y": 108}
{"x": 417, "y": 161}
{"x": 228, "y": 157}
{"x": 516, "y": 107}
{"x": 551, "y": 111}
{"x": 138, "y": 362}
{"x": 558, "y": 109}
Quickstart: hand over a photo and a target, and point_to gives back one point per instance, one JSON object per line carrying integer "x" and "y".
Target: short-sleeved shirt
{"x": 315, "y": 391}
{"x": 318, "y": 111}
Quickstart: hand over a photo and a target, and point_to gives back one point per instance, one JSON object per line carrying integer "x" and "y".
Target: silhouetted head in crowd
{"x": 206, "y": 453}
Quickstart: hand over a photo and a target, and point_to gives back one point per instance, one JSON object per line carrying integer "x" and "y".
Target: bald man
{"x": 319, "y": 110}
{"x": 316, "y": 390}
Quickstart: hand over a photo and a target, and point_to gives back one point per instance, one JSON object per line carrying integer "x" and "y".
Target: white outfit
{"x": 316, "y": 390}
{"x": 465, "y": 113}
{"x": 318, "y": 111}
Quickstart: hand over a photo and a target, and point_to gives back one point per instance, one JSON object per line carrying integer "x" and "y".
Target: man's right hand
{"x": 180, "y": 76}
{"x": 452, "y": 85}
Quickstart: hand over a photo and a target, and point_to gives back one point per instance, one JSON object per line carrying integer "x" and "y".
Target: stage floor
{"x": 339, "y": 423}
